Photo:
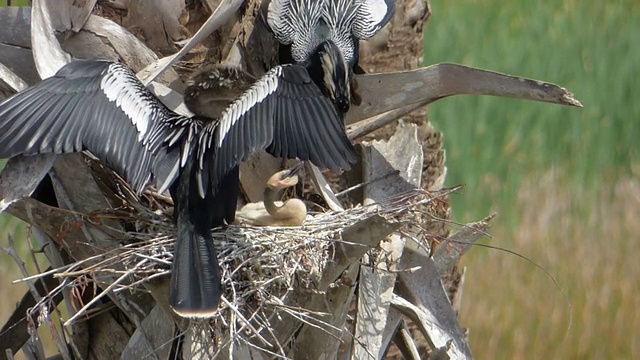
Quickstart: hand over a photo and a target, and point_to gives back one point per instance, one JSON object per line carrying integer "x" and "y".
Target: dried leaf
{"x": 385, "y": 92}
{"x": 21, "y": 176}
{"x": 45, "y": 20}
{"x": 224, "y": 11}
{"x": 11, "y": 79}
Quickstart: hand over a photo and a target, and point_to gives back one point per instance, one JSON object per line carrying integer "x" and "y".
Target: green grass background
{"x": 564, "y": 181}
{"x": 584, "y": 46}
{"x": 15, "y": 3}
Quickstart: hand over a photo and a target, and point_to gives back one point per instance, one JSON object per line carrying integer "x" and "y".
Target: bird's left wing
{"x": 285, "y": 113}
{"x": 101, "y": 107}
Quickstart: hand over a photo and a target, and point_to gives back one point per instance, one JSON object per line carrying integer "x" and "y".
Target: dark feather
{"x": 103, "y": 108}
{"x": 286, "y": 118}
{"x": 70, "y": 112}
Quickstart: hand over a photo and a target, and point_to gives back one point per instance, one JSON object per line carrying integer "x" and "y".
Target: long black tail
{"x": 195, "y": 278}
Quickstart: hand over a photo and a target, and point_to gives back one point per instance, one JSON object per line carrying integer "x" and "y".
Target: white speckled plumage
{"x": 103, "y": 108}
{"x": 299, "y": 23}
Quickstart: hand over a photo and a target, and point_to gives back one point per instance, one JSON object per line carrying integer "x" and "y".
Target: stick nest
{"x": 261, "y": 266}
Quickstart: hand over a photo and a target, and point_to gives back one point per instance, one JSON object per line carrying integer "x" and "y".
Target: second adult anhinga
{"x": 324, "y": 36}
{"x": 102, "y": 107}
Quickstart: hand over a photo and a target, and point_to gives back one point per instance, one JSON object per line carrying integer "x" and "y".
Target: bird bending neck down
{"x": 331, "y": 71}
{"x": 276, "y": 213}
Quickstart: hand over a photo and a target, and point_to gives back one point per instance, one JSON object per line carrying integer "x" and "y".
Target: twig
{"x": 245, "y": 321}
{"x": 35, "y": 345}
{"x": 105, "y": 292}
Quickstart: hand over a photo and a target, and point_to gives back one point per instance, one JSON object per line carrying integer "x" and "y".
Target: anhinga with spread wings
{"x": 323, "y": 35}
{"x": 103, "y": 108}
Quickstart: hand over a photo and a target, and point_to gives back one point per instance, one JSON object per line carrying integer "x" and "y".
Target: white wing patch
{"x": 371, "y": 14}
{"x": 122, "y": 87}
{"x": 254, "y": 95}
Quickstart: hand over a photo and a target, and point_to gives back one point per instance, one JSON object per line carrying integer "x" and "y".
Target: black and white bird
{"x": 103, "y": 108}
{"x": 324, "y": 35}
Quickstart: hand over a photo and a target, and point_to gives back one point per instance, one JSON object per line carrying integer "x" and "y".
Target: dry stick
{"x": 364, "y": 127}
{"x": 38, "y": 276}
{"x": 105, "y": 291}
{"x": 11, "y": 251}
{"x": 15, "y": 331}
{"x": 398, "y": 202}
{"x": 244, "y": 320}
{"x": 266, "y": 326}
{"x": 61, "y": 341}
{"x": 449, "y": 252}
{"x": 250, "y": 344}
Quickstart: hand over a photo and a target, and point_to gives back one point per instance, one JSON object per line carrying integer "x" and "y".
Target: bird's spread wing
{"x": 371, "y": 16}
{"x": 285, "y": 113}
{"x": 295, "y": 23}
{"x": 100, "y": 107}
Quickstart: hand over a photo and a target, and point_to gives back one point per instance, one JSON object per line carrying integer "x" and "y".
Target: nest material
{"x": 261, "y": 266}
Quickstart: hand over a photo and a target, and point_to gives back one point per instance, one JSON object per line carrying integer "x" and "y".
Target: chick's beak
{"x": 294, "y": 170}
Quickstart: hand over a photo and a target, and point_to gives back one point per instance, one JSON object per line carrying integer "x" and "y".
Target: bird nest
{"x": 264, "y": 269}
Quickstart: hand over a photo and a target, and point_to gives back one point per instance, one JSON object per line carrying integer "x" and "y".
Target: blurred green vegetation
{"x": 583, "y": 46}
{"x": 563, "y": 180}
{"x": 15, "y": 2}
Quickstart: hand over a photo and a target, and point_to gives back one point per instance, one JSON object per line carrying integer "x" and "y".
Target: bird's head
{"x": 210, "y": 90}
{"x": 285, "y": 178}
{"x": 336, "y": 73}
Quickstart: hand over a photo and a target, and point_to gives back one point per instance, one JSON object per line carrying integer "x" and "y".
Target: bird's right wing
{"x": 285, "y": 113}
{"x": 101, "y": 107}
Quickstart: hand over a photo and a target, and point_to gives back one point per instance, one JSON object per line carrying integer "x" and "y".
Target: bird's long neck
{"x": 270, "y": 196}
{"x": 331, "y": 72}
